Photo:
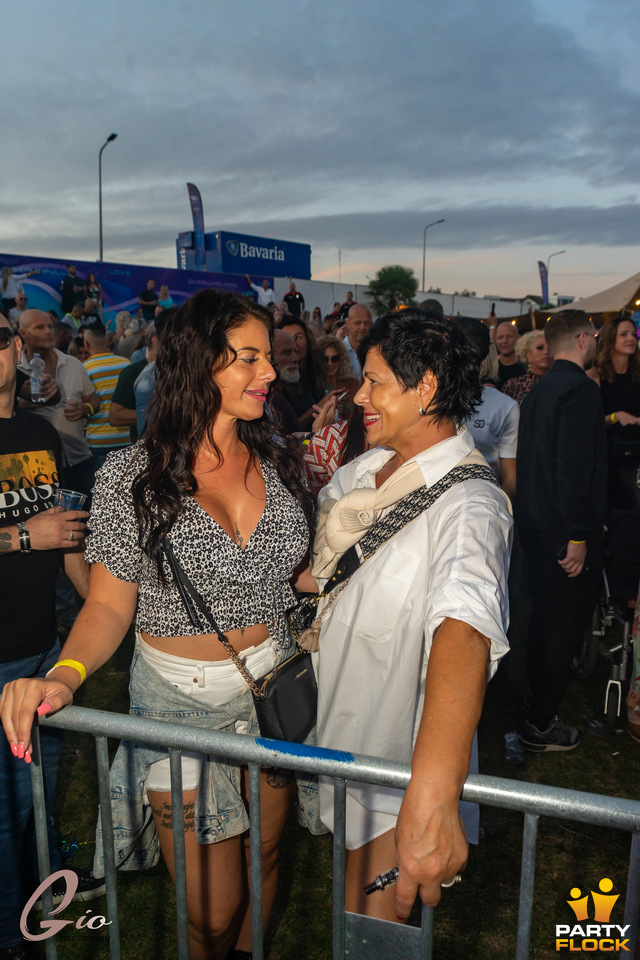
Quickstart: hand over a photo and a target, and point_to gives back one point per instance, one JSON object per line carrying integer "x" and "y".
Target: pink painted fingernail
{"x": 20, "y": 752}
{"x": 14, "y": 748}
{"x": 44, "y": 708}
{"x": 27, "y": 757}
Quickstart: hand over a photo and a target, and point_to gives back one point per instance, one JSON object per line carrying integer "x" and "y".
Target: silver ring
{"x": 451, "y": 883}
{"x": 71, "y": 535}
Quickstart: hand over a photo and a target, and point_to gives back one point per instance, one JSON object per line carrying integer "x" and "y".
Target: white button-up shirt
{"x": 353, "y": 359}
{"x": 451, "y": 561}
{"x": 265, "y": 297}
{"x": 74, "y": 384}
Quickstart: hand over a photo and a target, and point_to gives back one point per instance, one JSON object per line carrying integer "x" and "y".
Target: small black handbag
{"x": 286, "y": 699}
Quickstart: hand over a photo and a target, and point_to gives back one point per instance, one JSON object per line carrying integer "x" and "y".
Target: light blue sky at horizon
{"x": 346, "y": 126}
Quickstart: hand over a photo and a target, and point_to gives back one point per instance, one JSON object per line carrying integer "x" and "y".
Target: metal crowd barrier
{"x": 355, "y": 937}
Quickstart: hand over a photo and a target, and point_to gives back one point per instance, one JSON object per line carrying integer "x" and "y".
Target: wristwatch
{"x": 24, "y": 537}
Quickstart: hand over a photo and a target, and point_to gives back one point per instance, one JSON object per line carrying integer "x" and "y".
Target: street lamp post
{"x": 557, "y": 254}
{"x": 111, "y": 137}
{"x": 424, "y": 246}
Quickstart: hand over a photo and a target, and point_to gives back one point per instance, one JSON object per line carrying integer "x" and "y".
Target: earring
{"x": 423, "y": 412}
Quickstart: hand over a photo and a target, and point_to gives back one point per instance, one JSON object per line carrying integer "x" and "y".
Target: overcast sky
{"x": 337, "y": 123}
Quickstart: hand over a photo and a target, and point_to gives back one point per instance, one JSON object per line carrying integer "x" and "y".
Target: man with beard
{"x": 289, "y": 385}
{"x": 560, "y": 509}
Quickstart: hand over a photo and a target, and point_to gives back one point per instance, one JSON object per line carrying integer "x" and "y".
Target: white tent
{"x": 612, "y": 300}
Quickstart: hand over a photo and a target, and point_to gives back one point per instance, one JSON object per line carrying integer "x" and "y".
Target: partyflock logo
{"x": 597, "y": 935}
{"x": 232, "y": 247}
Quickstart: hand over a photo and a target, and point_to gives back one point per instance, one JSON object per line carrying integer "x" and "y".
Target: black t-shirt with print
{"x": 30, "y": 458}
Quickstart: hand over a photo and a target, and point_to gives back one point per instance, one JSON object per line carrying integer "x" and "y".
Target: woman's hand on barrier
{"x": 19, "y": 702}
{"x": 431, "y": 846}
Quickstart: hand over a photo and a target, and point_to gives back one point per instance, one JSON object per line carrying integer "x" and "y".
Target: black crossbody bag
{"x": 286, "y": 699}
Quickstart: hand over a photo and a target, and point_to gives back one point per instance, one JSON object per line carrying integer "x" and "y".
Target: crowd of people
{"x": 276, "y": 453}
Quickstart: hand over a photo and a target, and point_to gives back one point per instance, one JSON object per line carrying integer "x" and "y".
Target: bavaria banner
{"x": 197, "y": 212}
{"x": 228, "y": 252}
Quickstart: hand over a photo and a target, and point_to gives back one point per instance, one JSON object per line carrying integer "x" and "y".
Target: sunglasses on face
{"x": 6, "y": 336}
{"x": 332, "y": 359}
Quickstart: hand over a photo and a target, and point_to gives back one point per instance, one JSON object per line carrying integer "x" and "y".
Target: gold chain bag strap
{"x": 286, "y": 699}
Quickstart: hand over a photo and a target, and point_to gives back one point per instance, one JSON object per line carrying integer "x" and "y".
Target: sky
{"x": 345, "y": 125}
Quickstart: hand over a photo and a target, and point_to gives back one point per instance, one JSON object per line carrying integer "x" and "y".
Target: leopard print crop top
{"x": 241, "y": 587}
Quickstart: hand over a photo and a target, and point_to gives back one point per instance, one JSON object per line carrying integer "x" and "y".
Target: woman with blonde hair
{"x": 128, "y": 335}
{"x": 531, "y": 350}
{"x": 165, "y": 300}
{"x": 336, "y": 367}
{"x": 11, "y": 286}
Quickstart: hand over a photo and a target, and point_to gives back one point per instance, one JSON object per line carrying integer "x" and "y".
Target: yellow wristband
{"x": 614, "y": 419}
{"x": 90, "y": 408}
{"x": 75, "y": 665}
{"x": 577, "y": 541}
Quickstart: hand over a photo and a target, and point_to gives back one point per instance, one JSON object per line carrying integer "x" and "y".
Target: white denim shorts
{"x": 212, "y": 682}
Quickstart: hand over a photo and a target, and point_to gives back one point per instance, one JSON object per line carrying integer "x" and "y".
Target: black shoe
{"x": 557, "y": 736}
{"x": 22, "y": 951}
{"x": 240, "y": 955}
{"x": 89, "y": 888}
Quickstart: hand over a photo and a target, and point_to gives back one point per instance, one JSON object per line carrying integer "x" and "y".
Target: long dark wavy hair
{"x": 606, "y": 344}
{"x": 194, "y": 347}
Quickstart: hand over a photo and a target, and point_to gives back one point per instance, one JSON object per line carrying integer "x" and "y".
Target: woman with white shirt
{"x": 407, "y": 646}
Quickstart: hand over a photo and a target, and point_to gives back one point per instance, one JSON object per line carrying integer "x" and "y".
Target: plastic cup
{"x": 69, "y": 499}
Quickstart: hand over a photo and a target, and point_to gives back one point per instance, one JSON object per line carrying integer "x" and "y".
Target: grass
{"x": 477, "y": 919}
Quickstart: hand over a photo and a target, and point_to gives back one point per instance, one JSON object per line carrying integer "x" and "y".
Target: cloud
{"x": 332, "y": 124}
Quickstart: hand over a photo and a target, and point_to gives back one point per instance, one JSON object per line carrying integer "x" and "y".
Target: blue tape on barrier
{"x": 304, "y": 750}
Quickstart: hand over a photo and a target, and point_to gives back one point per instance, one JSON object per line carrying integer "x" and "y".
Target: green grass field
{"x": 477, "y": 919}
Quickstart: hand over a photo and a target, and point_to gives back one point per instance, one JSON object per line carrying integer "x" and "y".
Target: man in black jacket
{"x": 560, "y": 508}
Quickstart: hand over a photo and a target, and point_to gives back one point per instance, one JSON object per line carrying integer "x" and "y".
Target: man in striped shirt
{"x": 103, "y": 369}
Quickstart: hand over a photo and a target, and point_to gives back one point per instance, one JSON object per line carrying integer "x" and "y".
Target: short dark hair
{"x": 414, "y": 341}
{"x": 432, "y": 305}
{"x": 563, "y": 327}
{"x": 96, "y": 327}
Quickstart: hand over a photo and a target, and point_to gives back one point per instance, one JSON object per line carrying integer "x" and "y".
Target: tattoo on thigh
{"x": 279, "y": 779}
{"x": 5, "y": 542}
{"x": 164, "y": 815}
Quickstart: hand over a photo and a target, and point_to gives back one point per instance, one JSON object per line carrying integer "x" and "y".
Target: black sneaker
{"x": 89, "y": 887}
{"x": 557, "y": 736}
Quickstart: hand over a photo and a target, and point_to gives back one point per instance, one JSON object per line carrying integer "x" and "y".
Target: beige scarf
{"x": 342, "y": 523}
